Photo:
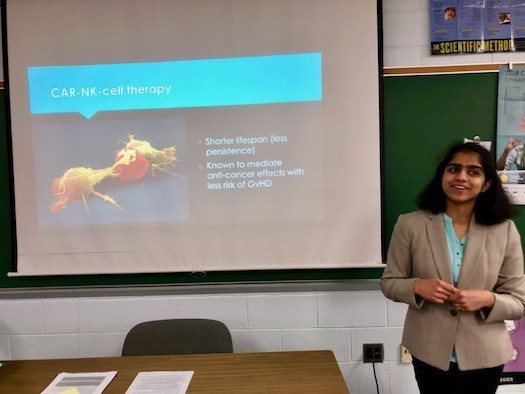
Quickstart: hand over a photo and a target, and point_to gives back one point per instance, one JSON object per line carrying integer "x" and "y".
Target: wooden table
{"x": 279, "y": 372}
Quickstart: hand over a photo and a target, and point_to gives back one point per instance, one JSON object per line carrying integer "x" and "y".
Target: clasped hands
{"x": 440, "y": 292}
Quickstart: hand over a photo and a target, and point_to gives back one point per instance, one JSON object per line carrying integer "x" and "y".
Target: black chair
{"x": 178, "y": 336}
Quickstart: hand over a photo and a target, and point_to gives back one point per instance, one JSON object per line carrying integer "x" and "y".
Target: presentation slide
{"x": 173, "y": 136}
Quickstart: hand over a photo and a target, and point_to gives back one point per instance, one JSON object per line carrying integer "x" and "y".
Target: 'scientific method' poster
{"x": 476, "y": 26}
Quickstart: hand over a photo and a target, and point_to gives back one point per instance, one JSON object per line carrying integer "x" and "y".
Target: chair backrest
{"x": 178, "y": 336}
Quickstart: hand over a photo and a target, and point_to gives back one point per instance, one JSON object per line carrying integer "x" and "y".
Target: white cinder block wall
{"x": 340, "y": 319}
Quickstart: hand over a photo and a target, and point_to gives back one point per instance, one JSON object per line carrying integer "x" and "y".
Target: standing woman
{"x": 458, "y": 264}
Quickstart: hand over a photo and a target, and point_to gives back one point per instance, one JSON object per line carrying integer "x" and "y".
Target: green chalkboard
{"x": 423, "y": 115}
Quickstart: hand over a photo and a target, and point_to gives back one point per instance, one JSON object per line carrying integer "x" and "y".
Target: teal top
{"x": 456, "y": 249}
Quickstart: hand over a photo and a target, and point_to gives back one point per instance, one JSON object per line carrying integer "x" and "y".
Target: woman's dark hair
{"x": 492, "y": 206}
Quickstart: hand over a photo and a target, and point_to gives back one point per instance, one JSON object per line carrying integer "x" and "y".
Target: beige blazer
{"x": 493, "y": 260}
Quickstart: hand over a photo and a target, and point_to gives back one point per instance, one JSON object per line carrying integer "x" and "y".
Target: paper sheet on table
{"x": 80, "y": 383}
{"x": 161, "y": 382}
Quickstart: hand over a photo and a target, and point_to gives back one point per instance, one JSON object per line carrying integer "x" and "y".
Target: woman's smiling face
{"x": 464, "y": 179}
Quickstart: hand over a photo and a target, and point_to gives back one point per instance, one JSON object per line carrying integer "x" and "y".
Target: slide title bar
{"x": 87, "y": 89}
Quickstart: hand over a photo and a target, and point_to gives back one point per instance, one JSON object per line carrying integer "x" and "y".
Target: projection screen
{"x": 202, "y": 135}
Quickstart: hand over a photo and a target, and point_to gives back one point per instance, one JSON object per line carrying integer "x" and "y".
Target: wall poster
{"x": 510, "y": 141}
{"x": 514, "y": 370}
{"x": 510, "y": 163}
{"x": 476, "y": 26}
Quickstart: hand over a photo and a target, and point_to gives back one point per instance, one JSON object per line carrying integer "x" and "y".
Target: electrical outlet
{"x": 373, "y": 352}
{"x": 406, "y": 357}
